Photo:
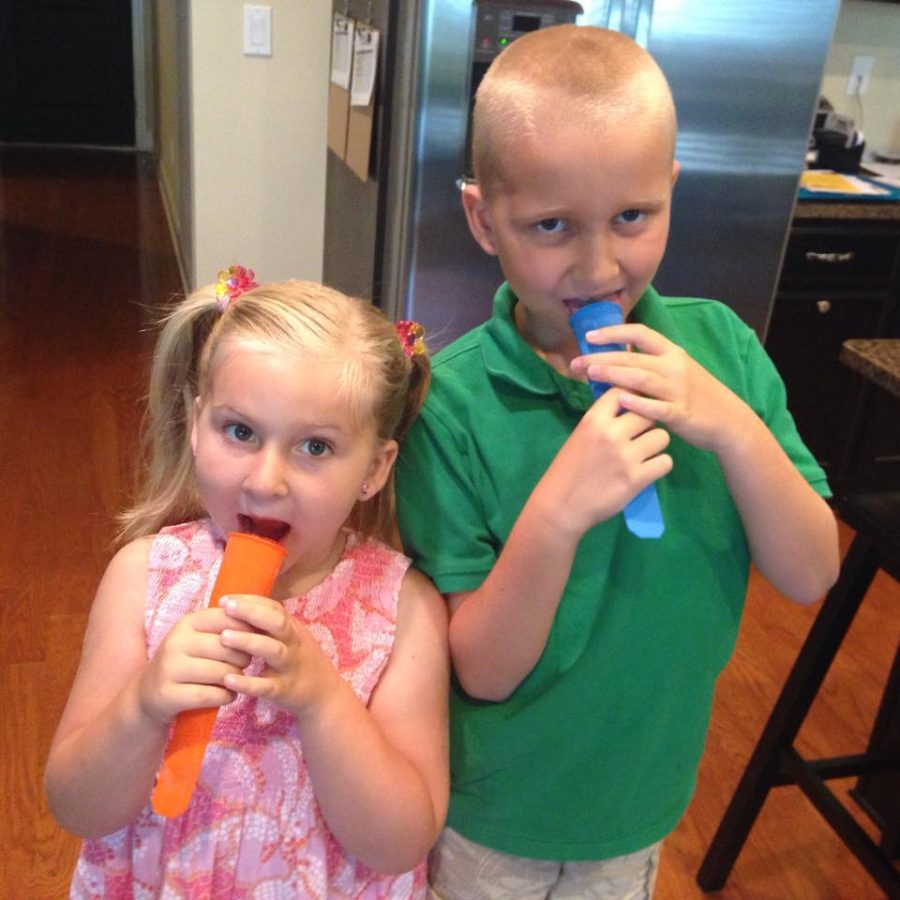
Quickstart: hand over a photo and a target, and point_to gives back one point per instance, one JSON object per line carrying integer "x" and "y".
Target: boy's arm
{"x": 790, "y": 529}
{"x": 498, "y": 631}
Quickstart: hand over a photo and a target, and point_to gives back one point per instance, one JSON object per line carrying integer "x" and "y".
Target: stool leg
{"x": 873, "y": 792}
{"x": 799, "y": 691}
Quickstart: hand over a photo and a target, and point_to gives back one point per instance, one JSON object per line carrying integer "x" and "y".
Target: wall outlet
{"x": 860, "y": 72}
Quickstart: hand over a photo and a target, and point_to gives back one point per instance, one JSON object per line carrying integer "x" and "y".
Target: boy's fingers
{"x": 633, "y": 334}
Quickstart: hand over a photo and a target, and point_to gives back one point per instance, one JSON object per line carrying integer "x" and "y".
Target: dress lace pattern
{"x": 254, "y": 828}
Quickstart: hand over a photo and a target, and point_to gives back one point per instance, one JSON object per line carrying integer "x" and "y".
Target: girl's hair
{"x": 383, "y": 385}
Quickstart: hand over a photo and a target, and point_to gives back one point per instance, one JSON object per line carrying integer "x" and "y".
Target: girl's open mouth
{"x": 273, "y": 529}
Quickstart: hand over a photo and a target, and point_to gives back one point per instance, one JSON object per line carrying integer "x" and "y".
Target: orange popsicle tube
{"x": 249, "y": 566}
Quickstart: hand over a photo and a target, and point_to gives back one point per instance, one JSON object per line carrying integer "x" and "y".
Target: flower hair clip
{"x": 412, "y": 337}
{"x": 233, "y": 282}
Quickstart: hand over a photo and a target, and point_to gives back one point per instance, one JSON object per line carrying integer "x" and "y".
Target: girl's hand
{"x": 664, "y": 384}
{"x": 298, "y": 675}
{"x": 189, "y": 669}
{"x": 604, "y": 463}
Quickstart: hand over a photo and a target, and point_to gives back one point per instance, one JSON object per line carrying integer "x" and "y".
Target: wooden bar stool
{"x": 775, "y": 762}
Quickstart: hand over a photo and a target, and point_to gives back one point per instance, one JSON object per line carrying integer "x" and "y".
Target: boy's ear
{"x": 676, "y": 168}
{"x": 478, "y": 215}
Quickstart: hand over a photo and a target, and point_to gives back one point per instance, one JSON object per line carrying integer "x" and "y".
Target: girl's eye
{"x": 315, "y": 447}
{"x": 239, "y": 432}
{"x": 630, "y": 216}
{"x": 551, "y": 226}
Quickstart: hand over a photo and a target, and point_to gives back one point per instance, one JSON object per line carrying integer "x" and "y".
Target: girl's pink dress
{"x": 254, "y": 828}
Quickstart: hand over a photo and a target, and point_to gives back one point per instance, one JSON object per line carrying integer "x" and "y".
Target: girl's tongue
{"x": 273, "y": 529}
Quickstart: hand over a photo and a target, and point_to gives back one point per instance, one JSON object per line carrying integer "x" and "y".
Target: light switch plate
{"x": 861, "y": 71}
{"x": 257, "y": 30}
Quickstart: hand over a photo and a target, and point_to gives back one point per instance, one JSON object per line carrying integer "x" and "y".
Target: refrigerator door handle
{"x": 631, "y": 17}
{"x": 642, "y": 21}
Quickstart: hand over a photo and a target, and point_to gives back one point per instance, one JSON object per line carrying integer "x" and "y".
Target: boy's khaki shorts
{"x": 459, "y": 869}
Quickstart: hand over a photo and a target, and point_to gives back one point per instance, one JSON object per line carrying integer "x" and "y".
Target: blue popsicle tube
{"x": 643, "y": 516}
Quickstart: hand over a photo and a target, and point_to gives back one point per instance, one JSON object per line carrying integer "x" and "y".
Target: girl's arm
{"x": 380, "y": 773}
{"x": 385, "y": 797}
{"x": 106, "y": 748}
{"x": 113, "y": 731}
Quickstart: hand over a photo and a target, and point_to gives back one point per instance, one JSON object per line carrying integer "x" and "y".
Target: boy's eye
{"x": 239, "y": 432}
{"x": 551, "y": 226}
{"x": 630, "y": 216}
{"x": 315, "y": 447}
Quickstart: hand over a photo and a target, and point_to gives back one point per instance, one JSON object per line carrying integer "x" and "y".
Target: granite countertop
{"x": 873, "y": 210}
{"x": 878, "y": 359}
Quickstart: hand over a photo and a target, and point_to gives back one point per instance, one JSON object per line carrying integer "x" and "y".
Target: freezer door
{"x": 745, "y": 76}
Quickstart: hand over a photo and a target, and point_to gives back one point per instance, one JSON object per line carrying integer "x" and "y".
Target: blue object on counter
{"x": 891, "y": 195}
{"x": 643, "y": 516}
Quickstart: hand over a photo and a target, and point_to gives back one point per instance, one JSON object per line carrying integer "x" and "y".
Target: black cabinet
{"x": 840, "y": 279}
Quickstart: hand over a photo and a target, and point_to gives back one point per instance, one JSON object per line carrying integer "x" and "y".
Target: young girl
{"x": 275, "y": 410}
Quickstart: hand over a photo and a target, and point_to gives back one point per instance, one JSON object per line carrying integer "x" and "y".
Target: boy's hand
{"x": 189, "y": 669}
{"x": 607, "y": 460}
{"x": 664, "y": 384}
{"x": 298, "y": 674}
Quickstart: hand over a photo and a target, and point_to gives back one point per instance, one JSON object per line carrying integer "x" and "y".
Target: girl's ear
{"x": 194, "y": 425}
{"x": 478, "y": 215}
{"x": 379, "y": 469}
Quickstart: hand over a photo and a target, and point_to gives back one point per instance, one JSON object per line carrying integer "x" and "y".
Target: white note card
{"x": 341, "y": 50}
{"x": 365, "y": 66}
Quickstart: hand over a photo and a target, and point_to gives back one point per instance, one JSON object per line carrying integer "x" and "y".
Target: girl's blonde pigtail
{"x": 166, "y": 492}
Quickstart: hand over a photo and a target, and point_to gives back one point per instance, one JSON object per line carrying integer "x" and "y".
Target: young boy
{"x": 585, "y": 658}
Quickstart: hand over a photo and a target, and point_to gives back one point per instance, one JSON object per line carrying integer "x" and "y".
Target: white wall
{"x": 172, "y": 124}
{"x": 259, "y": 140}
{"x": 867, "y": 28}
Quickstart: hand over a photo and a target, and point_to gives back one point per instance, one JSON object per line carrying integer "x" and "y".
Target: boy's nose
{"x": 597, "y": 265}
{"x": 266, "y": 476}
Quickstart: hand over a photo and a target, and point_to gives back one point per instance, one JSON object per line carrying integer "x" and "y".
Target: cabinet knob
{"x": 831, "y": 257}
{"x": 823, "y": 306}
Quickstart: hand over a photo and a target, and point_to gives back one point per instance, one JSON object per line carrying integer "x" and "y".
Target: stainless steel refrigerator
{"x": 745, "y": 75}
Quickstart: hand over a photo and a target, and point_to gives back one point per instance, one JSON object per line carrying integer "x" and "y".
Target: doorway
{"x": 68, "y": 72}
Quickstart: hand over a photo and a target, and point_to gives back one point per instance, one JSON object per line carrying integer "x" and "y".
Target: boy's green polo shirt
{"x": 595, "y": 753}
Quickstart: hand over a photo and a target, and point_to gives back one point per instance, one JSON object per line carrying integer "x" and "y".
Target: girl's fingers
{"x": 247, "y": 684}
{"x": 260, "y": 613}
{"x": 270, "y": 650}
{"x": 209, "y": 647}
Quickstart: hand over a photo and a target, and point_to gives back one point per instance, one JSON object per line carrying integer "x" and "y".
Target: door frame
{"x": 144, "y": 57}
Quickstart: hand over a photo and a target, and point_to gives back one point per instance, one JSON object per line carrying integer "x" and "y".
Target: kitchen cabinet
{"x": 840, "y": 279}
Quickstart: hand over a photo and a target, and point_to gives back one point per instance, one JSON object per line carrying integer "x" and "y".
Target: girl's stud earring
{"x": 365, "y": 489}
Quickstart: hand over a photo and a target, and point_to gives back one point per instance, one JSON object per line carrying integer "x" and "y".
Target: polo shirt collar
{"x": 508, "y": 358}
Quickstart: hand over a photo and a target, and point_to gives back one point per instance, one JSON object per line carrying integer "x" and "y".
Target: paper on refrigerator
{"x": 342, "y": 31}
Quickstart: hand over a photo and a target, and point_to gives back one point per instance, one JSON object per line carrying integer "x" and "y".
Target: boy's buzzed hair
{"x": 564, "y": 74}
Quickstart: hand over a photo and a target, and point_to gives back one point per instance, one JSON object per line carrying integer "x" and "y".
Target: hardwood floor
{"x": 85, "y": 253}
